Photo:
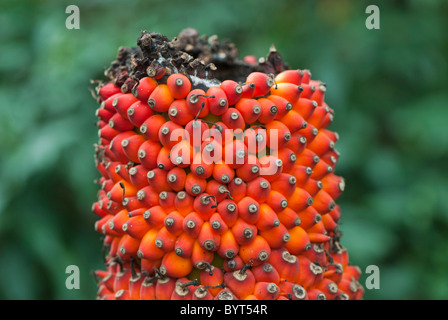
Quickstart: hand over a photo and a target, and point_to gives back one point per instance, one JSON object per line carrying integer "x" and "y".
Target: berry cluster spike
{"x": 217, "y": 177}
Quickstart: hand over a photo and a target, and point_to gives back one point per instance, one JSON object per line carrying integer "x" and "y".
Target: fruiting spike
{"x": 212, "y": 188}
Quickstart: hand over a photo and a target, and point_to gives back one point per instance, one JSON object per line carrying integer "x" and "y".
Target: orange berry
{"x": 135, "y": 284}
{"x": 230, "y": 265}
{"x": 235, "y": 154}
{"x": 223, "y": 173}
{"x": 283, "y": 105}
{"x": 122, "y": 103}
{"x": 181, "y": 154}
{"x": 255, "y": 139}
{"x": 218, "y": 190}
{"x": 175, "y": 266}
{"x": 128, "y": 246}
{"x": 249, "y": 209}
{"x": 183, "y": 289}
{"x": 308, "y": 90}
{"x": 265, "y": 272}
{"x": 329, "y": 288}
{"x": 165, "y": 240}
{"x": 157, "y": 179}
{"x": 248, "y": 90}
{"x": 308, "y": 217}
{"x": 192, "y": 224}
{"x": 277, "y": 237}
{"x": 318, "y": 237}
{"x": 232, "y": 90}
{"x": 207, "y": 238}
{"x": 319, "y": 94}
{"x": 148, "y": 197}
{"x": 240, "y": 282}
{"x": 289, "y": 76}
{"x": 289, "y": 91}
{"x": 321, "y": 144}
{"x": 255, "y": 252}
{"x": 250, "y": 170}
{"x": 151, "y": 126}
{"x": 294, "y": 121}
{"x": 316, "y": 254}
{"x": 148, "y": 289}
{"x": 268, "y": 110}
{"x": 249, "y": 109}
{"x": 259, "y": 189}
{"x": 175, "y": 178}
{"x": 323, "y": 202}
{"x": 136, "y": 227}
{"x": 155, "y": 216}
{"x": 143, "y": 89}
{"x": 244, "y": 232}
{"x": 205, "y": 205}
{"x": 170, "y": 133}
{"x": 317, "y": 118}
{"x": 120, "y": 190}
{"x": 300, "y": 200}
{"x": 148, "y": 153}
{"x": 107, "y": 103}
{"x": 107, "y": 133}
{"x": 179, "y": 112}
{"x": 228, "y": 211}
{"x": 266, "y": 291}
{"x": 299, "y": 241}
{"x": 229, "y": 247}
{"x": 160, "y": 99}
{"x": 164, "y": 288}
{"x": 201, "y": 168}
{"x": 122, "y": 294}
{"x": 305, "y": 107}
{"x": 333, "y": 185}
{"x": 148, "y": 249}
{"x": 286, "y": 264}
{"x": 313, "y": 186}
{"x": 263, "y": 83}
{"x": 138, "y": 176}
{"x": 184, "y": 203}
{"x": 310, "y": 272}
{"x": 270, "y": 167}
{"x": 285, "y": 184}
{"x": 277, "y": 201}
{"x": 296, "y": 144}
{"x": 218, "y": 224}
{"x": 201, "y": 257}
{"x": 212, "y": 278}
{"x": 268, "y": 218}
{"x": 174, "y": 223}
{"x": 277, "y": 134}
{"x": 237, "y": 188}
{"x": 117, "y": 122}
{"x": 194, "y": 185}
{"x": 184, "y": 245}
{"x": 178, "y": 85}
{"x": 107, "y": 90}
{"x": 197, "y": 103}
{"x": 233, "y": 119}
{"x": 217, "y": 100}
{"x": 293, "y": 291}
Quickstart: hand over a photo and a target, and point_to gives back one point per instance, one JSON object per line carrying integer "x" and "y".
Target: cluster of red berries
{"x": 224, "y": 193}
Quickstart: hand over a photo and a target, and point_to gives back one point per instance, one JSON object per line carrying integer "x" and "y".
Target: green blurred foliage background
{"x": 388, "y": 88}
